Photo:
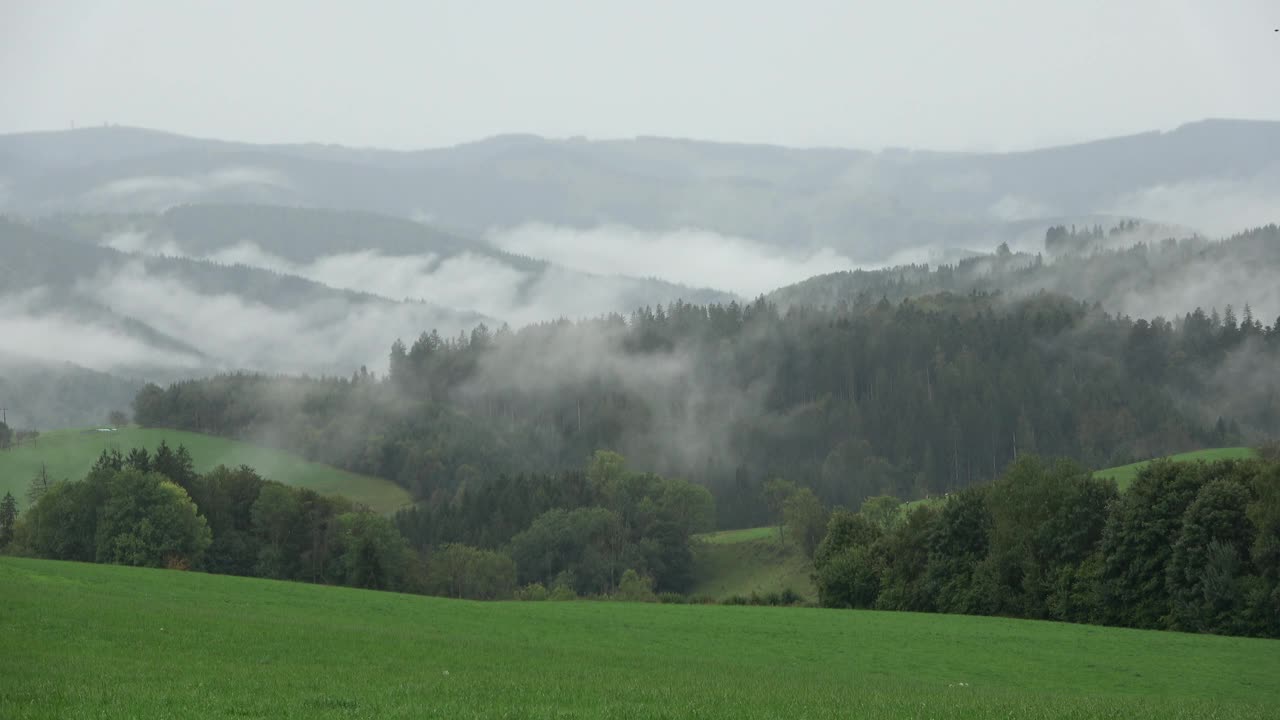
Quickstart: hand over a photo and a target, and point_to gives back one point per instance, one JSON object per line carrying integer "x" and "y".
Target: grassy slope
{"x": 1124, "y": 474}
{"x": 70, "y": 454}
{"x": 727, "y": 537}
{"x": 739, "y": 562}
{"x": 101, "y": 641}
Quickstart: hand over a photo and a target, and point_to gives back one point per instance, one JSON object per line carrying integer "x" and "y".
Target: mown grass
{"x": 91, "y": 641}
{"x": 70, "y": 454}
{"x": 1125, "y": 474}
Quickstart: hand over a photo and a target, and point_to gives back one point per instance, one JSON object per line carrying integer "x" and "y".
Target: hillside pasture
{"x": 68, "y": 454}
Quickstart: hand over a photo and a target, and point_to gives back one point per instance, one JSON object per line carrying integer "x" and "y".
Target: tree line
{"x": 912, "y": 399}
{"x": 1083, "y": 264}
{"x": 1189, "y": 546}
{"x": 599, "y": 532}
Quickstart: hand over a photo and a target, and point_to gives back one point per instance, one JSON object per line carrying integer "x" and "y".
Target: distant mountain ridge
{"x": 867, "y": 205}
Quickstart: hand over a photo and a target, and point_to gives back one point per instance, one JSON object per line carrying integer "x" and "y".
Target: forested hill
{"x": 1143, "y": 271}
{"x": 912, "y": 398}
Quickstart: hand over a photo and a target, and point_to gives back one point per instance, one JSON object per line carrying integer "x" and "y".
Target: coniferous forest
{"x": 913, "y": 399}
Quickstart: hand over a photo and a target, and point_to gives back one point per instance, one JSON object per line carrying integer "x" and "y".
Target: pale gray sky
{"x": 986, "y": 74}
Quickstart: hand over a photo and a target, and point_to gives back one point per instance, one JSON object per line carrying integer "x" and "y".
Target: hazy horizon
{"x": 817, "y": 74}
{"x": 580, "y": 137}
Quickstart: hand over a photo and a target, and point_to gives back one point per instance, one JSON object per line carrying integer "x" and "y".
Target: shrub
{"x": 635, "y": 587}
{"x": 534, "y": 592}
{"x": 561, "y": 593}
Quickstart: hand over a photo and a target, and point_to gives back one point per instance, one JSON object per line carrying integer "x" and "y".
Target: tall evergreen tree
{"x": 8, "y": 518}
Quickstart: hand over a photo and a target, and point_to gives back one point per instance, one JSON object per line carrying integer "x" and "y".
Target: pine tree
{"x": 8, "y": 517}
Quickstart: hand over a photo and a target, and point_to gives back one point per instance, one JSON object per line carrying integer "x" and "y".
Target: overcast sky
{"x": 985, "y": 74}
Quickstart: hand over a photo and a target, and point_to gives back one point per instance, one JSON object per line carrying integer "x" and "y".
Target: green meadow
{"x": 98, "y": 641}
{"x": 1125, "y": 474}
{"x": 732, "y": 537}
{"x": 70, "y": 454}
{"x": 751, "y": 560}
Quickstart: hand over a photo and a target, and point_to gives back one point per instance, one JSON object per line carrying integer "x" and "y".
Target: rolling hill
{"x": 70, "y": 454}
{"x": 867, "y": 205}
{"x": 70, "y": 301}
{"x": 327, "y": 246}
{"x": 96, "y": 640}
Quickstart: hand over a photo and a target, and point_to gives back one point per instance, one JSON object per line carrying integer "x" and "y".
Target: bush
{"x": 533, "y": 592}
{"x": 562, "y": 593}
{"x": 670, "y": 598}
{"x": 635, "y": 587}
{"x": 786, "y": 598}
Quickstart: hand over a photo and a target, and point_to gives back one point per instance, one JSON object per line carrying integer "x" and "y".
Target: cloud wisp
{"x": 698, "y": 258}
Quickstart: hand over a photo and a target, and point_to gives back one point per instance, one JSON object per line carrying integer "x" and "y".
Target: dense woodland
{"x": 912, "y": 399}
{"x": 598, "y": 532}
{"x": 1189, "y": 546}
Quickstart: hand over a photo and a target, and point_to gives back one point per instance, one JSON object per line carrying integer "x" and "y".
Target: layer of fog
{"x": 160, "y": 192}
{"x": 1245, "y": 386}
{"x": 1205, "y": 283}
{"x": 698, "y": 258}
{"x": 328, "y": 336}
{"x": 1213, "y": 207}
{"x": 34, "y": 334}
{"x": 690, "y": 405}
{"x": 467, "y": 281}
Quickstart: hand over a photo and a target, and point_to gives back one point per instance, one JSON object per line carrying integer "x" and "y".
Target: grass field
{"x": 740, "y": 562}
{"x": 1124, "y": 474}
{"x": 70, "y": 454}
{"x": 729, "y": 537}
{"x": 95, "y": 641}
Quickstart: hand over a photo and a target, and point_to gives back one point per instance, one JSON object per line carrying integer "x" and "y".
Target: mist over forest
{"x": 602, "y": 360}
{"x": 517, "y": 303}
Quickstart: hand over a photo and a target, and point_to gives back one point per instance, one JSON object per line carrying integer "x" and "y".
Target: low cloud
{"x": 697, "y": 258}
{"x": 136, "y": 241}
{"x": 467, "y": 281}
{"x": 34, "y": 332}
{"x": 159, "y": 192}
{"x": 1014, "y": 208}
{"x": 1214, "y": 207}
{"x": 686, "y": 407}
{"x": 327, "y": 336}
{"x": 1205, "y": 283}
